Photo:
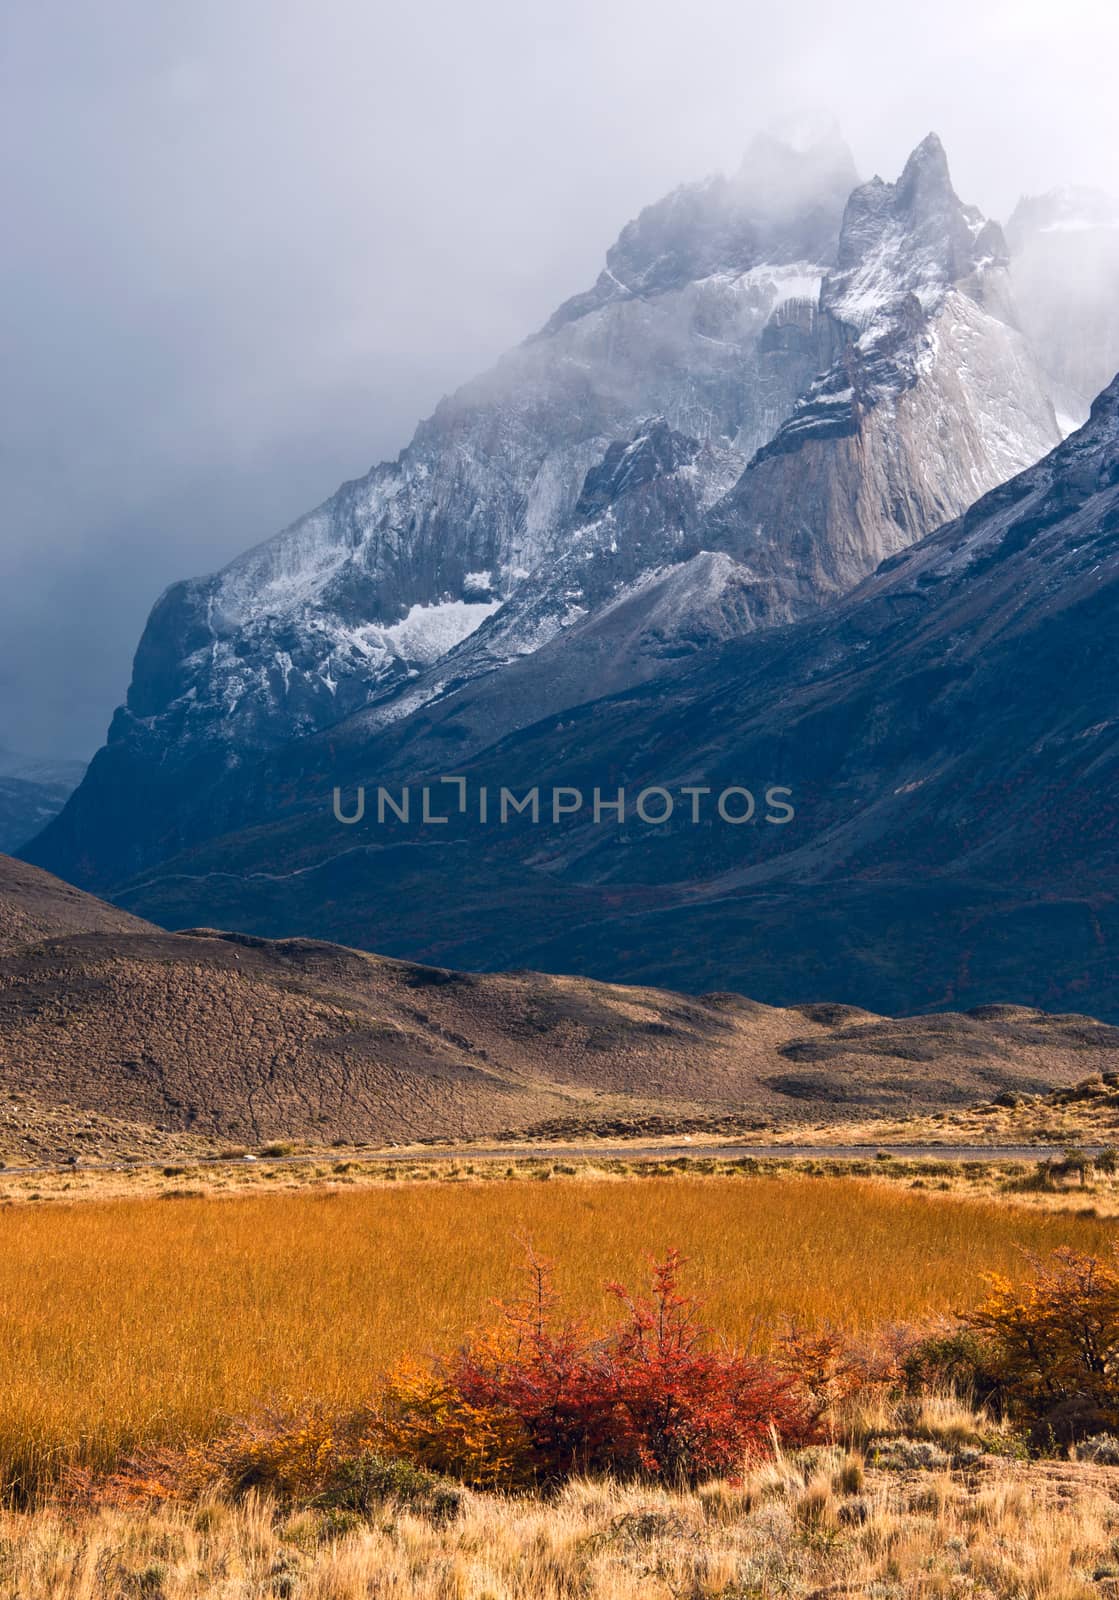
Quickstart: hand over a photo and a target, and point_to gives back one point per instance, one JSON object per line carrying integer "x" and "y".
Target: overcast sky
{"x": 250, "y": 242}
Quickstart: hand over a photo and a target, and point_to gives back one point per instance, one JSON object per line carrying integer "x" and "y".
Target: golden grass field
{"x": 130, "y": 1322}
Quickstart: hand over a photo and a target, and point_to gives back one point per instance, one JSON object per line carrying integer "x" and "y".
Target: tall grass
{"x": 782, "y": 1532}
{"x": 126, "y": 1323}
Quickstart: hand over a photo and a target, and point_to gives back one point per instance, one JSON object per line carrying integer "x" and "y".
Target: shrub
{"x": 1049, "y": 1347}
{"x": 909, "y": 1455}
{"x": 288, "y": 1456}
{"x": 426, "y": 1417}
{"x": 826, "y": 1366}
{"x": 955, "y": 1359}
{"x": 1102, "y": 1448}
{"x": 1074, "y": 1163}
{"x": 311, "y": 1457}
{"x": 365, "y": 1481}
{"x": 537, "y": 1400}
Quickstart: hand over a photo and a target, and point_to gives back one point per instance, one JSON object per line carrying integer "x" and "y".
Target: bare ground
{"x": 117, "y": 1038}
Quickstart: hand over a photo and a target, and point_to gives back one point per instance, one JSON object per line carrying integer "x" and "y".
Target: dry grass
{"x": 805, "y": 1528}
{"x": 126, "y": 1323}
{"x": 1010, "y": 1182}
{"x": 1086, "y": 1112}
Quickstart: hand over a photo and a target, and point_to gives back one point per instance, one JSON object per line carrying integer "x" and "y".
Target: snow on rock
{"x": 428, "y": 632}
{"x": 792, "y": 372}
{"x": 311, "y": 625}
{"x": 932, "y": 397}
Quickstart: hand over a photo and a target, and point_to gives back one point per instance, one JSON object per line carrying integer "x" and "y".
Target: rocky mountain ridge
{"x": 949, "y": 733}
{"x": 802, "y": 375}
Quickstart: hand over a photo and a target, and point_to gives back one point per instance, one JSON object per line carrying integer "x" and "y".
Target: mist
{"x": 250, "y": 243}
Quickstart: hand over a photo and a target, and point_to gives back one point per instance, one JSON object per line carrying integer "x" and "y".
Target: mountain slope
{"x": 950, "y": 735}
{"x": 509, "y": 522}
{"x": 34, "y": 905}
{"x": 126, "y": 1033}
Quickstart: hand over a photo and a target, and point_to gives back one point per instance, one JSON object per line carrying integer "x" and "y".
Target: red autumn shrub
{"x": 537, "y": 1399}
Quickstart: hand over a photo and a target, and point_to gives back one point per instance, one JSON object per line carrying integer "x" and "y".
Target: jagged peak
{"x": 783, "y": 205}
{"x": 925, "y": 185}
{"x": 926, "y": 171}
{"x": 931, "y": 238}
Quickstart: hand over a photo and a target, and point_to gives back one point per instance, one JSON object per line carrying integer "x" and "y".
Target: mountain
{"x": 32, "y": 792}
{"x": 116, "y": 1038}
{"x": 934, "y": 398}
{"x": 949, "y": 735}
{"x": 778, "y": 380}
{"x": 1065, "y": 248}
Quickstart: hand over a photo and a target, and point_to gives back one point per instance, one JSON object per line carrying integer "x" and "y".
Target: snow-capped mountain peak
{"x": 831, "y": 369}
{"x": 912, "y": 237}
{"x": 782, "y": 206}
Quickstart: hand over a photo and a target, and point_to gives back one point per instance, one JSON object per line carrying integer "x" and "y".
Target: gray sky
{"x": 250, "y": 242}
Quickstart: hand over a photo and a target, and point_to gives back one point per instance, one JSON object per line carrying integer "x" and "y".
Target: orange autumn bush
{"x": 830, "y": 1369}
{"x": 1048, "y": 1348}
{"x": 288, "y": 1455}
{"x": 538, "y": 1398}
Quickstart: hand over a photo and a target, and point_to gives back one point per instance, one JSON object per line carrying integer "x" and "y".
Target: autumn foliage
{"x": 538, "y": 1398}
{"x": 1048, "y": 1347}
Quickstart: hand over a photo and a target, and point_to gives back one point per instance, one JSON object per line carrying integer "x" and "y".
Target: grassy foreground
{"x": 820, "y": 1528}
{"x": 129, "y": 1323}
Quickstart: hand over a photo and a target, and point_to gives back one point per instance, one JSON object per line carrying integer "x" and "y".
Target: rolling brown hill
{"x": 112, "y": 1030}
{"x": 36, "y": 905}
